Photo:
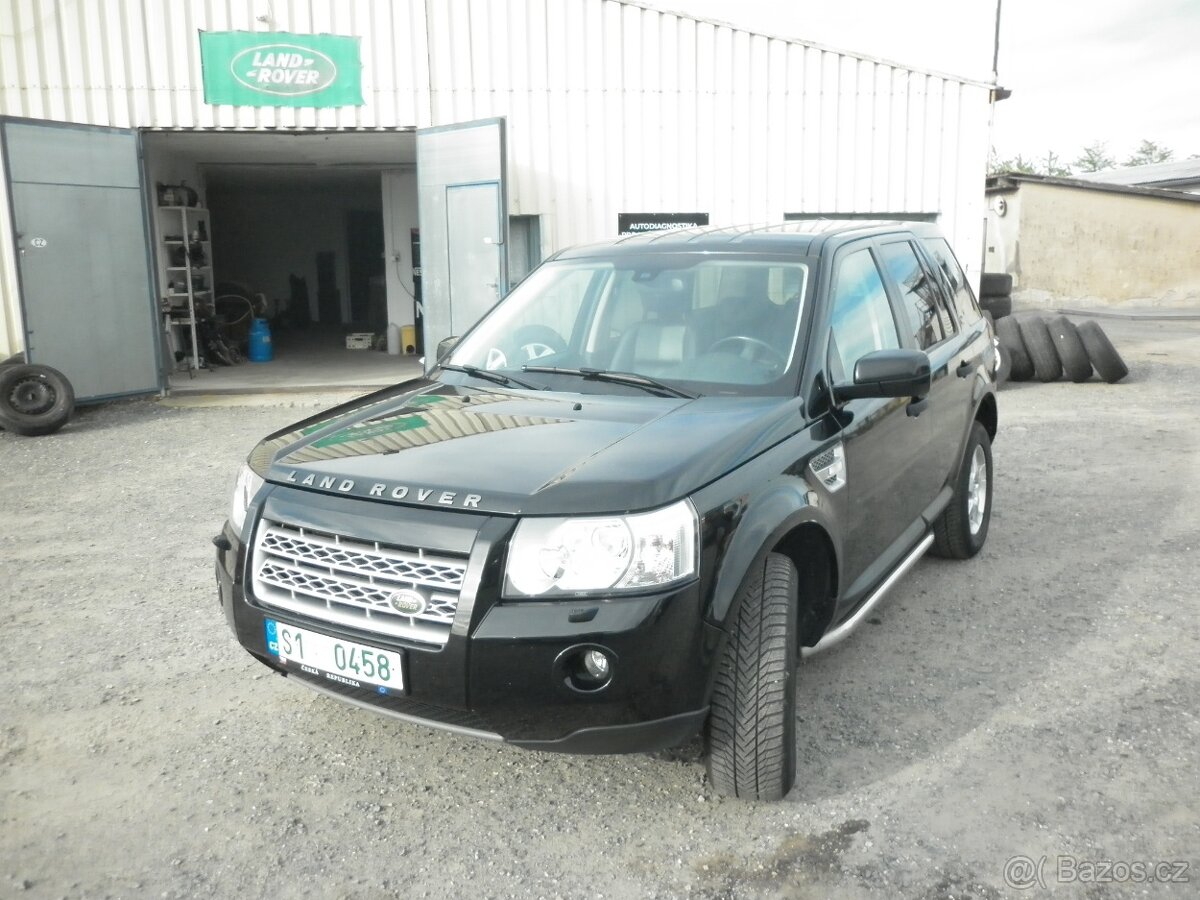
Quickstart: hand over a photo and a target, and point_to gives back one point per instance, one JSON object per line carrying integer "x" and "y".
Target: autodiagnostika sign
{"x": 246, "y": 68}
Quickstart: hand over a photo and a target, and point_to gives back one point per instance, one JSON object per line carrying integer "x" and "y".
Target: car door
{"x": 881, "y": 439}
{"x": 934, "y": 329}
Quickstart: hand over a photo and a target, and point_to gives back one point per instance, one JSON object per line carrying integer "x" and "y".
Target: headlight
{"x": 243, "y": 492}
{"x": 568, "y": 557}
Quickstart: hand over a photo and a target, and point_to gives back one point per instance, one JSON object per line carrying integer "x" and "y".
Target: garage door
{"x": 464, "y": 227}
{"x": 79, "y": 218}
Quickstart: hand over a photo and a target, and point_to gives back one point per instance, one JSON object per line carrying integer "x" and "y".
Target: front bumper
{"x": 499, "y": 674}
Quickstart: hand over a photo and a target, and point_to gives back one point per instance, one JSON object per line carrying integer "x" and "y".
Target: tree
{"x": 1094, "y": 158}
{"x": 1018, "y": 163}
{"x": 1052, "y": 166}
{"x": 1149, "y": 152}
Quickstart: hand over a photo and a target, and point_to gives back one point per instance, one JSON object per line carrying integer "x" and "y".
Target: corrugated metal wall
{"x": 136, "y": 63}
{"x": 611, "y": 107}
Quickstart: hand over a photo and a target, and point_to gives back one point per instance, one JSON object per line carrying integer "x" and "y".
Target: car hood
{"x": 444, "y": 446}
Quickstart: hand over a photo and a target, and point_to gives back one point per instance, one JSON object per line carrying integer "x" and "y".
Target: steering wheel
{"x": 536, "y": 341}
{"x": 532, "y": 342}
{"x": 755, "y": 351}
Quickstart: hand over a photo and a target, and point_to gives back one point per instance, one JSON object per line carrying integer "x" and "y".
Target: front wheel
{"x": 962, "y": 527}
{"x": 752, "y": 722}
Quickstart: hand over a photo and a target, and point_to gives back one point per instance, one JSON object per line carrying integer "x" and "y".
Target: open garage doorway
{"x": 311, "y": 232}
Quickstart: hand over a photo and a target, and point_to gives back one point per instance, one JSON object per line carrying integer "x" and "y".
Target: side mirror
{"x": 445, "y": 345}
{"x": 888, "y": 373}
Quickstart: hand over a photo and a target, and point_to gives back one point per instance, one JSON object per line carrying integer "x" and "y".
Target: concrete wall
{"x": 262, "y": 235}
{"x": 1099, "y": 247}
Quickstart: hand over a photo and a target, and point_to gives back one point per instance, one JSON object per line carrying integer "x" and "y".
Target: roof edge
{"x": 1008, "y": 181}
{"x": 824, "y": 48}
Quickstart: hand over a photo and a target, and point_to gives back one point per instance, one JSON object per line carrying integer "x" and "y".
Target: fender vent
{"x": 829, "y": 467}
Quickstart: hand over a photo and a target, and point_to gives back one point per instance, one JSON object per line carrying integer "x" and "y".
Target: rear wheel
{"x": 752, "y": 723}
{"x": 962, "y": 528}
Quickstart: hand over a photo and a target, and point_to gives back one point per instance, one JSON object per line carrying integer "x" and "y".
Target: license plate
{"x": 336, "y": 660}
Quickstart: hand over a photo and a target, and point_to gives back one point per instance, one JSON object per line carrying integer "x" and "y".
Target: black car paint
{"x": 744, "y": 467}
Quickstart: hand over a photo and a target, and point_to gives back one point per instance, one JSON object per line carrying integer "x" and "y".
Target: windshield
{"x": 703, "y": 323}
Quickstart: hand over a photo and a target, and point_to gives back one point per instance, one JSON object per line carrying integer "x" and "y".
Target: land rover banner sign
{"x": 274, "y": 68}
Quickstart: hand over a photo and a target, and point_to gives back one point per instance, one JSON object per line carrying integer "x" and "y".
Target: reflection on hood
{"x": 425, "y": 419}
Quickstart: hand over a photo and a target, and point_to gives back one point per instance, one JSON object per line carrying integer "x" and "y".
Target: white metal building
{"x": 583, "y": 109}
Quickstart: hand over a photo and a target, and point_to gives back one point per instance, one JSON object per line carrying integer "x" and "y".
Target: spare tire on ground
{"x": 1100, "y": 351}
{"x": 1047, "y": 366}
{"x": 1070, "y": 349}
{"x": 1010, "y": 339}
{"x": 34, "y": 400}
{"x": 995, "y": 284}
{"x": 999, "y": 306}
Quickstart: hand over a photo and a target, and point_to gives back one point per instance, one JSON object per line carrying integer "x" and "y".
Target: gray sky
{"x": 1113, "y": 70}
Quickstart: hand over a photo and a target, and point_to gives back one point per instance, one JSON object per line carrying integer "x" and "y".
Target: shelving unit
{"x": 185, "y": 274}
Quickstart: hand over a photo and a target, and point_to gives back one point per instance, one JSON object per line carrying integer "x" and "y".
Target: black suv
{"x": 624, "y": 504}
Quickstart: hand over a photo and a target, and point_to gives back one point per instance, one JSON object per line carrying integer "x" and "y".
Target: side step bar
{"x": 844, "y": 630}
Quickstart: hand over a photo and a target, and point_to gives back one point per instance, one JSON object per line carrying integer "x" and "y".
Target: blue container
{"x": 260, "y": 341}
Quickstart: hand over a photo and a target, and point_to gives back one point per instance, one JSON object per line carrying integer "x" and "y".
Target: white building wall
{"x": 611, "y": 107}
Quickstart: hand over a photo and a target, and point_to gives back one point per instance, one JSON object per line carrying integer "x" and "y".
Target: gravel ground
{"x": 1039, "y": 701}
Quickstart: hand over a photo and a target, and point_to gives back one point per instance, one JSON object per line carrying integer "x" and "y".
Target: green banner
{"x": 274, "y": 68}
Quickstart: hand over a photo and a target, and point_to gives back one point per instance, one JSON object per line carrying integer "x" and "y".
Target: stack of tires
{"x": 995, "y": 294}
{"x": 1046, "y": 349}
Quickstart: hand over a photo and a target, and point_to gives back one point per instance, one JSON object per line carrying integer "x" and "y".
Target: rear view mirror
{"x": 445, "y": 345}
{"x": 888, "y": 373}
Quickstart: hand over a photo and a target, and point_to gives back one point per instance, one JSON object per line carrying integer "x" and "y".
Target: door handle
{"x": 965, "y": 368}
{"x": 917, "y": 406}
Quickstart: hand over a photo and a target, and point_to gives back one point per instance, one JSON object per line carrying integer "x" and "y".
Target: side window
{"x": 964, "y": 302}
{"x": 862, "y": 316}
{"x": 919, "y": 293}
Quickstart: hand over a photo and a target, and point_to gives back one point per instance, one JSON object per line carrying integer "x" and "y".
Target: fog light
{"x": 596, "y": 665}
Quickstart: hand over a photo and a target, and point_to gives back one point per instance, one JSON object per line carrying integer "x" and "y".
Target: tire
{"x": 1047, "y": 366}
{"x": 34, "y": 400}
{"x": 995, "y": 284}
{"x": 752, "y": 721}
{"x": 1070, "y": 349}
{"x": 957, "y": 534}
{"x": 1009, "y": 335}
{"x": 999, "y": 306}
{"x": 1004, "y": 369}
{"x": 1103, "y": 355}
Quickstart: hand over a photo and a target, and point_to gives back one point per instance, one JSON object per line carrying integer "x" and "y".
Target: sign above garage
{"x": 248, "y": 68}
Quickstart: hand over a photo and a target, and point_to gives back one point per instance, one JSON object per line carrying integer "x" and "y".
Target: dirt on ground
{"x": 1022, "y": 724}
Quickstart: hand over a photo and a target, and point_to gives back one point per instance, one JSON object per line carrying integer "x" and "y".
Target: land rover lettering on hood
{"x": 620, "y": 509}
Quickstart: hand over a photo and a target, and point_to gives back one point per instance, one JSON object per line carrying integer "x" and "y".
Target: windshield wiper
{"x": 488, "y": 375}
{"x": 630, "y": 378}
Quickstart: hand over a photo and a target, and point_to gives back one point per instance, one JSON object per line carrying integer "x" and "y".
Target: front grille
{"x": 353, "y": 582}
